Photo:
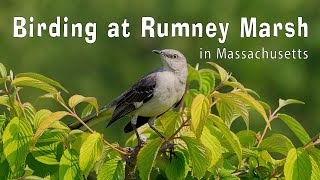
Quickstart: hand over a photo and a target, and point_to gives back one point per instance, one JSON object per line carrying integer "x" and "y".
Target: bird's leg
{"x": 151, "y": 124}
{"x": 133, "y": 123}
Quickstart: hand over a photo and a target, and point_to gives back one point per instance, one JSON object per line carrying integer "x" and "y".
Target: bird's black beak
{"x": 157, "y": 51}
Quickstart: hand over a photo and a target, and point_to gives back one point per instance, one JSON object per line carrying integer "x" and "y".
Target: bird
{"x": 150, "y": 97}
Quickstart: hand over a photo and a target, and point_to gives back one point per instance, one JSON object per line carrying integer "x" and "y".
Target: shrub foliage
{"x": 36, "y": 144}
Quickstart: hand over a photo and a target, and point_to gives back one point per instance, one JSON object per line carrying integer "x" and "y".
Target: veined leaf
{"x": 46, "y": 122}
{"x": 247, "y": 138}
{"x": 223, "y": 73}
{"x": 177, "y": 168}
{"x": 214, "y": 148}
{"x": 246, "y": 98}
{"x": 197, "y": 155}
{"x": 49, "y": 147}
{"x": 40, "y": 116}
{"x": 76, "y": 99}
{"x": 283, "y": 103}
{"x": 42, "y": 78}
{"x": 315, "y": 154}
{"x": 30, "y": 111}
{"x": 296, "y": 127}
{"x": 87, "y": 111}
{"x": 30, "y": 82}
{"x": 193, "y": 74}
{"x": 199, "y": 112}
{"x": 112, "y": 170}
{"x": 69, "y": 165}
{"x": 147, "y": 157}
{"x": 230, "y": 108}
{"x": 3, "y": 124}
{"x": 4, "y": 100}
{"x": 189, "y": 97}
{"x": 298, "y": 165}
{"x": 90, "y": 152}
{"x": 235, "y": 85}
{"x": 315, "y": 169}
{"x": 277, "y": 143}
{"x": 234, "y": 143}
{"x": 206, "y": 81}
{"x": 17, "y": 139}
{"x": 3, "y": 71}
{"x": 170, "y": 121}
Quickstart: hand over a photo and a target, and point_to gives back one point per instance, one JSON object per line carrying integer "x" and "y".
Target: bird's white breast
{"x": 168, "y": 91}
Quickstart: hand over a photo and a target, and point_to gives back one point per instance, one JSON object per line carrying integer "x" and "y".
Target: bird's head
{"x": 172, "y": 59}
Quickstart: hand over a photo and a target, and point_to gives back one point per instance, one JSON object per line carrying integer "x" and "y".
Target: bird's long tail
{"x": 91, "y": 120}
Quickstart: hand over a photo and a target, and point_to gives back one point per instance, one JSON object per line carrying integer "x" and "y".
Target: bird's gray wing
{"x": 133, "y": 98}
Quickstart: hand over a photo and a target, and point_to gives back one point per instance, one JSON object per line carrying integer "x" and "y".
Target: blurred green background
{"x": 109, "y": 66}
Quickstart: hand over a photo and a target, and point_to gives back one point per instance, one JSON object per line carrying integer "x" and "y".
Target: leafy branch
{"x": 199, "y": 142}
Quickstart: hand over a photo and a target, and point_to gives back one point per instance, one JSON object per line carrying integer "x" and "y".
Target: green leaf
{"x": 76, "y": 99}
{"x": 42, "y": 78}
{"x": 17, "y": 139}
{"x": 90, "y": 152}
{"x": 69, "y": 165}
{"x": 49, "y": 147}
{"x": 3, "y": 124}
{"x": 3, "y": 71}
{"x": 193, "y": 74}
{"x": 111, "y": 170}
{"x": 87, "y": 111}
{"x": 30, "y": 82}
{"x": 235, "y": 85}
{"x": 298, "y": 165}
{"x": 315, "y": 154}
{"x": 223, "y": 73}
{"x": 30, "y": 111}
{"x": 283, "y": 103}
{"x": 147, "y": 157}
{"x": 247, "y": 138}
{"x": 5, "y": 169}
{"x": 197, "y": 155}
{"x": 40, "y": 116}
{"x": 246, "y": 98}
{"x": 189, "y": 97}
{"x": 4, "y": 100}
{"x": 265, "y": 105}
{"x": 199, "y": 112}
{"x": 296, "y": 127}
{"x": 170, "y": 121}
{"x": 206, "y": 81}
{"x": 234, "y": 143}
{"x": 277, "y": 143}
{"x": 177, "y": 168}
{"x": 46, "y": 122}
{"x": 214, "y": 148}
{"x": 77, "y": 137}
{"x": 315, "y": 169}
{"x": 230, "y": 108}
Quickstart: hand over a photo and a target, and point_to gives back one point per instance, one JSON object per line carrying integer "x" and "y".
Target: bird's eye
{"x": 175, "y": 56}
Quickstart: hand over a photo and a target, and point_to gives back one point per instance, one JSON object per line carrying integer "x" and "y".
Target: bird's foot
{"x": 168, "y": 147}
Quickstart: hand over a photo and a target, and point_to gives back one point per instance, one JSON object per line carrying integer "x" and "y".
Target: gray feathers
{"x": 141, "y": 92}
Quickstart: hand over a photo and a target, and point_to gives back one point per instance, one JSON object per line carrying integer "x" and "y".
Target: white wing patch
{"x": 138, "y": 104}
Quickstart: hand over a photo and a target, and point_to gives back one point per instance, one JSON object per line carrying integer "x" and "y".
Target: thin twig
{"x": 271, "y": 117}
{"x": 72, "y": 113}
{"x": 310, "y": 143}
{"x": 177, "y": 131}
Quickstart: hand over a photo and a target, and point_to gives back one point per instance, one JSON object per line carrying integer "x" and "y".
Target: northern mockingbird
{"x": 151, "y": 96}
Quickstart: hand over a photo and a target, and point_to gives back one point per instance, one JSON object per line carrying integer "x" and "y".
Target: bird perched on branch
{"x": 150, "y": 97}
